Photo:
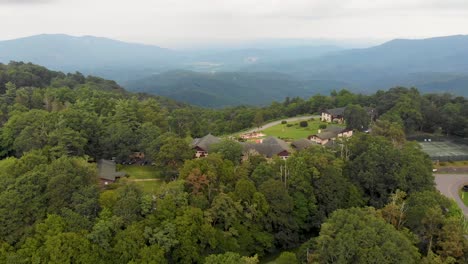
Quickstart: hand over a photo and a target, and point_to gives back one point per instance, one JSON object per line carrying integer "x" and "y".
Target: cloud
{"x": 25, "y": 2}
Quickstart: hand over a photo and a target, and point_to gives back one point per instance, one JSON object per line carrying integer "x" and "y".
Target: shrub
{"x": 323, "y": 126}
{"x": 289, "y": 125}
{"x": 284, "y": 122}
{"x": 303, "y": 124}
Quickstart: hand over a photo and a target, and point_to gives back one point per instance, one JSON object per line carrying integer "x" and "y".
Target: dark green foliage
{"x": 358, "y": 235}
{"x": 357, "y": 118}
{"x": 221, "y": 208}
{"x": 303, "y": 124}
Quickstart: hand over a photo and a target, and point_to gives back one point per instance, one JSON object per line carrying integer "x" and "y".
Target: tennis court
{"x": 445, "y": 150}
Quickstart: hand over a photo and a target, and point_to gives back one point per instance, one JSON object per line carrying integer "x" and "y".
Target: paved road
{"x": 274, "y": 123}
{"x": 449, "y": 185}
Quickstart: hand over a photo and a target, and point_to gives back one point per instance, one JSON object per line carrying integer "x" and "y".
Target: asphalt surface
{"x": 449, "y": 185}
{"x": 274, "y": 123}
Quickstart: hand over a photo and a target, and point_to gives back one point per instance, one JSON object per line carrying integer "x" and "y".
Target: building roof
{"x": 269, "y": 147}
{"x": 302, "y": 144}
{"x": 107, "y": 170}
{"x": 336, "y": 111}
{"x": 205, "y": 142}
{"x": 331, "y": 132}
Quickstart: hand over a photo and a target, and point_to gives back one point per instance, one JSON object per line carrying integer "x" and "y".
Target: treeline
{"x": 371, "y": 198}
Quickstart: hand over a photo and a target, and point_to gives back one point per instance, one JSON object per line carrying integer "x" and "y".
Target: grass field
{"x": 445, "y": 150}
{"x": 464, "y": 197}
{"x": 140, "y": 172}
{"x": 148, "y": 178}
{"x": 150, "y": 187}
{"x": 293, "y": 132}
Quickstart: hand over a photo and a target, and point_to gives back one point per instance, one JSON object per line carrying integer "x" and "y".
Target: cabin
{"x": 330, "y": 134}
{"x": 202, "y": 145}
{"x": 337, "y": 114}
{"x": 302, "y": 144}
{"x": 107, "y": 172}
{"x": 269, "y": 147}
{"x": 333, "y": 115}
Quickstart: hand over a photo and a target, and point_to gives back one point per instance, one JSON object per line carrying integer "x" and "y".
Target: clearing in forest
{"x": 293, "y": 130}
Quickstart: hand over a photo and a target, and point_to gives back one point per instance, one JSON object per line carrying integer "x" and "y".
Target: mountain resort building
{"x": 202, "y": 145}
{"x": 333, "y": 115}
{"x": 330, "y": 134}
{"x": 269, "y": 147}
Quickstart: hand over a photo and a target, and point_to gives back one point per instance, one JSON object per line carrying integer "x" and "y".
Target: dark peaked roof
{"x": 107, "y": 170}
{"x": 302, "y": 144}
{"x": 269, "y": 147}
{"x": 205, "y": 142}
{"x": 331, "y": 132}
{"x": 336, "y": 111}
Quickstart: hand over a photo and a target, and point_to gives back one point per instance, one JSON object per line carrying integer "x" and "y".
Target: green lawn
{"x": 148, "y": 178}
{"x": 150, "y": 187}
{"x": 293, "y": 132}
{"x": 140, "y": 172}
{"x": 464, "y": 197}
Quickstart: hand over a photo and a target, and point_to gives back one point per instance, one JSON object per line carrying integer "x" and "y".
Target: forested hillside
{"x": 371, "y": 198}
{"x": 425, "y": 63}
{"x": 229, "y": 88}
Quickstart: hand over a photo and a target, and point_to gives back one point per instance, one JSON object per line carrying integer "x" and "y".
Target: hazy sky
{"x": 175, "y": 23}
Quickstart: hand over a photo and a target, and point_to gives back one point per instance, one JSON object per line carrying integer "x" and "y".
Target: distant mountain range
{"x": 229, "y": 88}
{"x": 434, "y": 64}
{"x": 123, "y": 61}
{"x": 253, "y": 75}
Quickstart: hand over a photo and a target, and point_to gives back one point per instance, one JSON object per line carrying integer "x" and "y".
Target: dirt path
{"x": 450, "y": 184}
{"x": 274, "y": 123}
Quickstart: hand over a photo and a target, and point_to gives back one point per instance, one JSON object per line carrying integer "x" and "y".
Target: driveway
{"x": 449, "y": 185}
{"x": 274, "y": 123}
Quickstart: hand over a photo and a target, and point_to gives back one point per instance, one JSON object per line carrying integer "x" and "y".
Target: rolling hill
{"x": 90, "y": 55}
{"x": 440, "y": 62}
{"x": 229, "y": 88}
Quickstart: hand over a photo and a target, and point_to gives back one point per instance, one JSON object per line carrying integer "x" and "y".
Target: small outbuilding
{"x": 107, "y": 172}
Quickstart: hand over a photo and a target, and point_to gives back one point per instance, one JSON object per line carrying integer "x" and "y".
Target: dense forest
{"x": 369, "y": 200}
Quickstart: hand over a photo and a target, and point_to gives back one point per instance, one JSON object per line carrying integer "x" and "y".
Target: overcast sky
{"x": 180, "y": 23}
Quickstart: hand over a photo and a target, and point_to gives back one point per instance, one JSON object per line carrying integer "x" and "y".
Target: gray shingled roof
{"x": 269, "y": 147}
{"x": 205, "y": 142}
{"x": 107, "y": 170}
{"x": 331, "y": 132}
{"x": 336, "y": 111}
{"x": 302, "y": 144}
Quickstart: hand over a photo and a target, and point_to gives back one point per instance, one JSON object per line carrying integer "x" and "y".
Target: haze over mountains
{"x": 253, "y": 75}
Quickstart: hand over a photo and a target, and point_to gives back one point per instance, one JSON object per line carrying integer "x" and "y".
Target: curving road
{"x": 274, "y": 123}
{"x": 449, "y": 185}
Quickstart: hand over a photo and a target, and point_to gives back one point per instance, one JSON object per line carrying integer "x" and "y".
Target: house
{"x": 107, "y": 171}
{"x": 302, "y": 144}
{"x": 269, "y": 147}
{"x": 337, "y": 114}
{"x": 330, "y": 134}
{"x": 202, "y": 145}
{"x": 333, "y": 115}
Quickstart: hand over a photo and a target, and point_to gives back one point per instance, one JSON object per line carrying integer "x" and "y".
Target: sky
{"x": 184, "y": 23}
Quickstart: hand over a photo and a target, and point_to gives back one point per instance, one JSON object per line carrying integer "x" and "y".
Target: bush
{"x": 303, "y": 124}
{"x": 284, "y": 122}
{"x": 289, "y": 125}
{"x": 323, "y": 126}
